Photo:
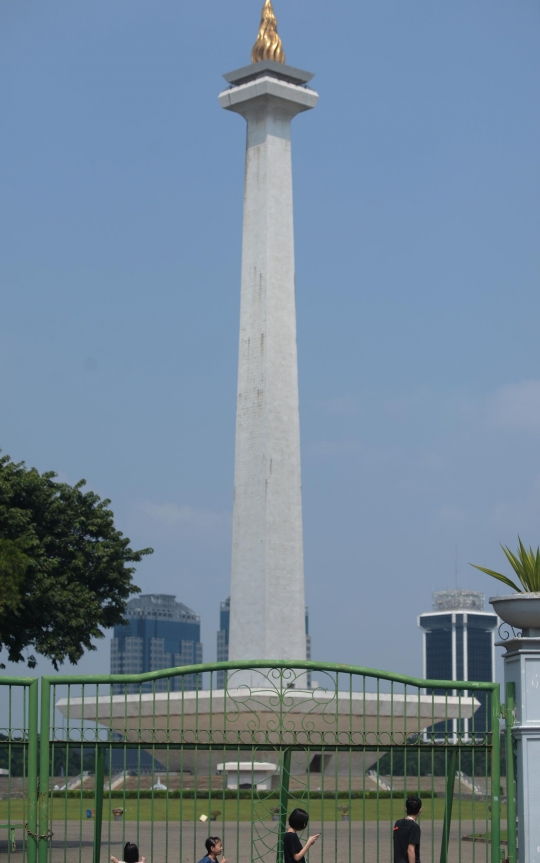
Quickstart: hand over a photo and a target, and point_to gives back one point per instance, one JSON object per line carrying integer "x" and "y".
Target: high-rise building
{"x": 223, "y": 639}
{"x": 160, "y": 633}
{"x": 459, "y": 644}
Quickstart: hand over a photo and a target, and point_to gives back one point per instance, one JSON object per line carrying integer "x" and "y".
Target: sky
{"x": 417, "y": 209}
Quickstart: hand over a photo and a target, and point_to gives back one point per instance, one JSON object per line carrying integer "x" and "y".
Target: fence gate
{"x": 168, "y": 758}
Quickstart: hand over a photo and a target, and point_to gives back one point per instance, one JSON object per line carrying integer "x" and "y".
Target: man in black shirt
{"x": 407, "y": 833}
{"x": 293, "y": 850}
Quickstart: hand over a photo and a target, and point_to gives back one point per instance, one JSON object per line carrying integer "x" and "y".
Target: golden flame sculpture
{"x": 268, "y": 45}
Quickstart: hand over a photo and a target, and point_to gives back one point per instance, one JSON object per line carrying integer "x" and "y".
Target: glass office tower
{"x": 459, "y": 644}
{"x": 223, "y": 639}
{"x": 161, "y": 633}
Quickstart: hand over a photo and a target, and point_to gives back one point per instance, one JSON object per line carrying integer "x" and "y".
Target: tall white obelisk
{"x": 267, "y": 579}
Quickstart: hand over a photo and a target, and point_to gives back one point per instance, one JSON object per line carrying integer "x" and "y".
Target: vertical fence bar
{"x": 487, "y": 808}
{"x": 32, "y": 770}
{"x": 24, "y": 753}
{"x": 10, "y": 731}
{"x": 283, "y": 801}
{"x": 43, "y": 799}
{"x": 432, "y": 768}
{"x": 139, "y": 738}
{"x": 377, "y": 814}
{"x": 510, "y": 773}
{"x": 81, "y": 757}
{"x": 323, "y": 800}
{"x": 473, "y": 802}
{"x": 459, "y": 798}
{"x": 100, "y": 781}
{"x": 449, "y": 799}
{"x": 495, "y": 775}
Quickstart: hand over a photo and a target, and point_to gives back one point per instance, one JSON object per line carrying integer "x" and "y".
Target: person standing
{"x": 214, "y": 847}
{"x": 293, "y": 850}
{"x": 407, "y": 833}
{"x": 131, "y": 855}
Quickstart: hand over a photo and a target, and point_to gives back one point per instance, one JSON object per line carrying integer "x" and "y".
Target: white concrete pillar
{"x": 267, "y": 579}
{"x": 522, "y": 668}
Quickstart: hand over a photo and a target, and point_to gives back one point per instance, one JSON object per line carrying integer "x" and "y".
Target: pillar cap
{"x": 290, "y": 74}
{"x": 241, "y": 99}
{"x": 521, "y": 644}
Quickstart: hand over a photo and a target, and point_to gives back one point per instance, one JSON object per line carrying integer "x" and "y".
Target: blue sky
{"x": 417, "y": 195}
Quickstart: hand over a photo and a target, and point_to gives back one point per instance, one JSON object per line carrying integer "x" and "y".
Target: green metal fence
{"x": 18, "y": 767}
{"x": 151, "y": 759}
{"x": 510, "y": 765}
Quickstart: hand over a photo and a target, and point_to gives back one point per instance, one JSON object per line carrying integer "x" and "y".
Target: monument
{"x": 267, "y": 590}
{"x": 267, "y": 576}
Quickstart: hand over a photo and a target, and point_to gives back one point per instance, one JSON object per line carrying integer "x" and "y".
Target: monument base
{"x": 263, "y": 722}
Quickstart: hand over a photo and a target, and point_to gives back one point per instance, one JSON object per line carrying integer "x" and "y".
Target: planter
{"x": 275, "y": 817}
{"x": 519, "y": 610}
{"x": 344, "y": 817}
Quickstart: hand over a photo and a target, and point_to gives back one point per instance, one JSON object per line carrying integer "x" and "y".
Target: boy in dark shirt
{"x": 214, "y": 848}
{"x": 407, "y": 833}
{"x": 293, "y": 850}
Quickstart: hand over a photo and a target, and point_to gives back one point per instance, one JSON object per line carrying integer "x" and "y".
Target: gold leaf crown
{"x": 268, "y": 45}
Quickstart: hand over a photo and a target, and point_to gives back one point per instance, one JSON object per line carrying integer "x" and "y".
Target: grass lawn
{"x": 241, "y": 810}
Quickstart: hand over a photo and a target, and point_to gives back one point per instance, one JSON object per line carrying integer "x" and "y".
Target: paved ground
{"x": 351, "y": 841}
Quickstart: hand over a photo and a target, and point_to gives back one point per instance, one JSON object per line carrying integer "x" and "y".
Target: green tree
{"x": 13, "y": 566}
{"x": 63, "y": 566}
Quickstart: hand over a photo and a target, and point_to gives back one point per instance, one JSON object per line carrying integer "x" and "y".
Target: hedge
{"x": 231, "y": 794}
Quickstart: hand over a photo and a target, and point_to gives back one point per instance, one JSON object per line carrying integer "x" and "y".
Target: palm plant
{"x": 526, "y": 565}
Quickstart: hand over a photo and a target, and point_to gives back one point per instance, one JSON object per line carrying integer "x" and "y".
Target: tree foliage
{"x": 63, "y": 566}
{"x": 13, "y": 566}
